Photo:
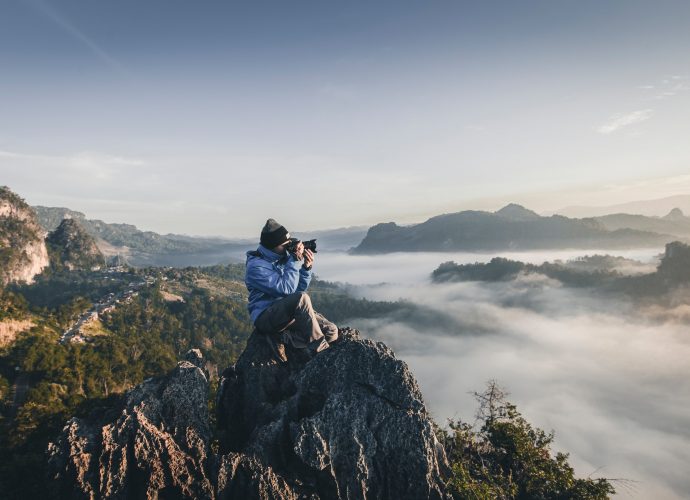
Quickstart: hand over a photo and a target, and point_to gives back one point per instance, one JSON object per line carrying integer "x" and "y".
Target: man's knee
{"x": 293, "y": 300}
{"x": 302, "y": 299}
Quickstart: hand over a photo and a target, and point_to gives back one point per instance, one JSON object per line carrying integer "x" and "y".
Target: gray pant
{"x": 301, "y": 325}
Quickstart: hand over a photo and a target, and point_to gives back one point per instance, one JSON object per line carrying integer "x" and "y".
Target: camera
{"x": 308, "y": 245}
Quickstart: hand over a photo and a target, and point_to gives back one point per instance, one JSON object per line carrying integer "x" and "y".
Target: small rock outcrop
{"x": 71, "y": 247}
{"x": 155, "y": 442}
{"x": 348, "y": 423}
{"x": 23, "y": 252}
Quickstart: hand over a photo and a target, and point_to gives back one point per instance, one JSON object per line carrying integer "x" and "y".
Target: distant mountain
{"x": 124, "y": 235}
{"x": 675, "y": 215}
{"x": 71, "y": 247}
{"x": 656, "y": 207}
{"x": 514, "y": 211}
{"x": 146, "y": 248}
{"x": 512, "y": 227}
{"x": 23, "y": 252}
{"x": 675, "y": 222}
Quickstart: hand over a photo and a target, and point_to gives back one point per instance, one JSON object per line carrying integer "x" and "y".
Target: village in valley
{"x": 88, "y": 323}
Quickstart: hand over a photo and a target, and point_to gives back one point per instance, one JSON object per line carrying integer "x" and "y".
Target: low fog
{"x": 415, "y": 267}
{"x": 613, "y": 382}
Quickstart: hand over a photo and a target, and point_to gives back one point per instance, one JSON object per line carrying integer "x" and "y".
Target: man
{"x": 277, "y": 281}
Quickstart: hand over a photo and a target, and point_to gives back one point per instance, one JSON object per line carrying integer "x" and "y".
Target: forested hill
{"x": 71, "y": 247}
{"x": 600, "y": 273}
{"x": 513, "y": 227}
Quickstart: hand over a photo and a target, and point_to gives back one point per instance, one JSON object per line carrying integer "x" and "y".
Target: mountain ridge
{"x": 675, "y": 222}
{"x": 652, "y": 207}
{"x": 512, "y": 227}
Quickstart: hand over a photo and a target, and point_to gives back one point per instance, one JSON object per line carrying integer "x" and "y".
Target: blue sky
{"x": 209, "y": 117}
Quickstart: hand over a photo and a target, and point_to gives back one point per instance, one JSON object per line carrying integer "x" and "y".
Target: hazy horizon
{"x": 208, "y": 119}
{"x": 652, "y": 207}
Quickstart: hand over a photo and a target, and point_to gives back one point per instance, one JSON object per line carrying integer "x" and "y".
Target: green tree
{"x": 508, "y": 458}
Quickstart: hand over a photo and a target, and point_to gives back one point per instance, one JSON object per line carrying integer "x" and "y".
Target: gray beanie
{"x": 273, "y": 234}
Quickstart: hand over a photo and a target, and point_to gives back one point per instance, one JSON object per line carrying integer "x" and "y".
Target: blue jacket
{"x": 270, "y": 276}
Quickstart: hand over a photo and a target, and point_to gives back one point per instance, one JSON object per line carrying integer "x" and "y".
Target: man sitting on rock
{"x": 279, "y": 306}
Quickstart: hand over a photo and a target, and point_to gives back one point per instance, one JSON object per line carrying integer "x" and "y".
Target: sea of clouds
{"x": 612, "y": 381}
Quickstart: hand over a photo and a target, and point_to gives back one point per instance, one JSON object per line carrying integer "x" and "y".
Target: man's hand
{"x": 299, "y": 251}
{"x": 308, "y": 258}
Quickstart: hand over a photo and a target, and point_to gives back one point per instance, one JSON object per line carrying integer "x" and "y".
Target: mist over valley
{"x": 609, "y": 374}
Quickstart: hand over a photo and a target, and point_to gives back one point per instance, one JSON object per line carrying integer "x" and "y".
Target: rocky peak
{"x": 517, "y": 212}
{"x": 154, "y": 440}
{"x": 23, "y": 252}
{"x": 71, "y": 247}
{"x": 349, "y": 423}
{"x": 675, "y": 215}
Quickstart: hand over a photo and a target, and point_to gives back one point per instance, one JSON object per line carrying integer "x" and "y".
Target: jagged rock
{"x": 159, "y": 444}
{"x": 240, "y": 476}
{"x": 347, "y": 423}
{"x": 155, "y": 443}
{"x": 350, "y": 423}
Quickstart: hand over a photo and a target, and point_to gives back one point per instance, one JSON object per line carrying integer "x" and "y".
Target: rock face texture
{"x": 155, "y": 443}
{"x": 23, "y": 252}
{"x": 71, "y": 247}
{"x": 349, "y": 423}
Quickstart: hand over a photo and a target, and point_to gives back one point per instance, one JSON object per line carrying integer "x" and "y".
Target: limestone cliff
{"x": 349, "y": 423}
{"x": 23, "y": 252}
{"x": 71, "y": 247}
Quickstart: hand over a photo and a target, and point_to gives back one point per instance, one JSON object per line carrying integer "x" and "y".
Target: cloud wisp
{"x": 620, "y": 121}
{"x": 666, "y": 88}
